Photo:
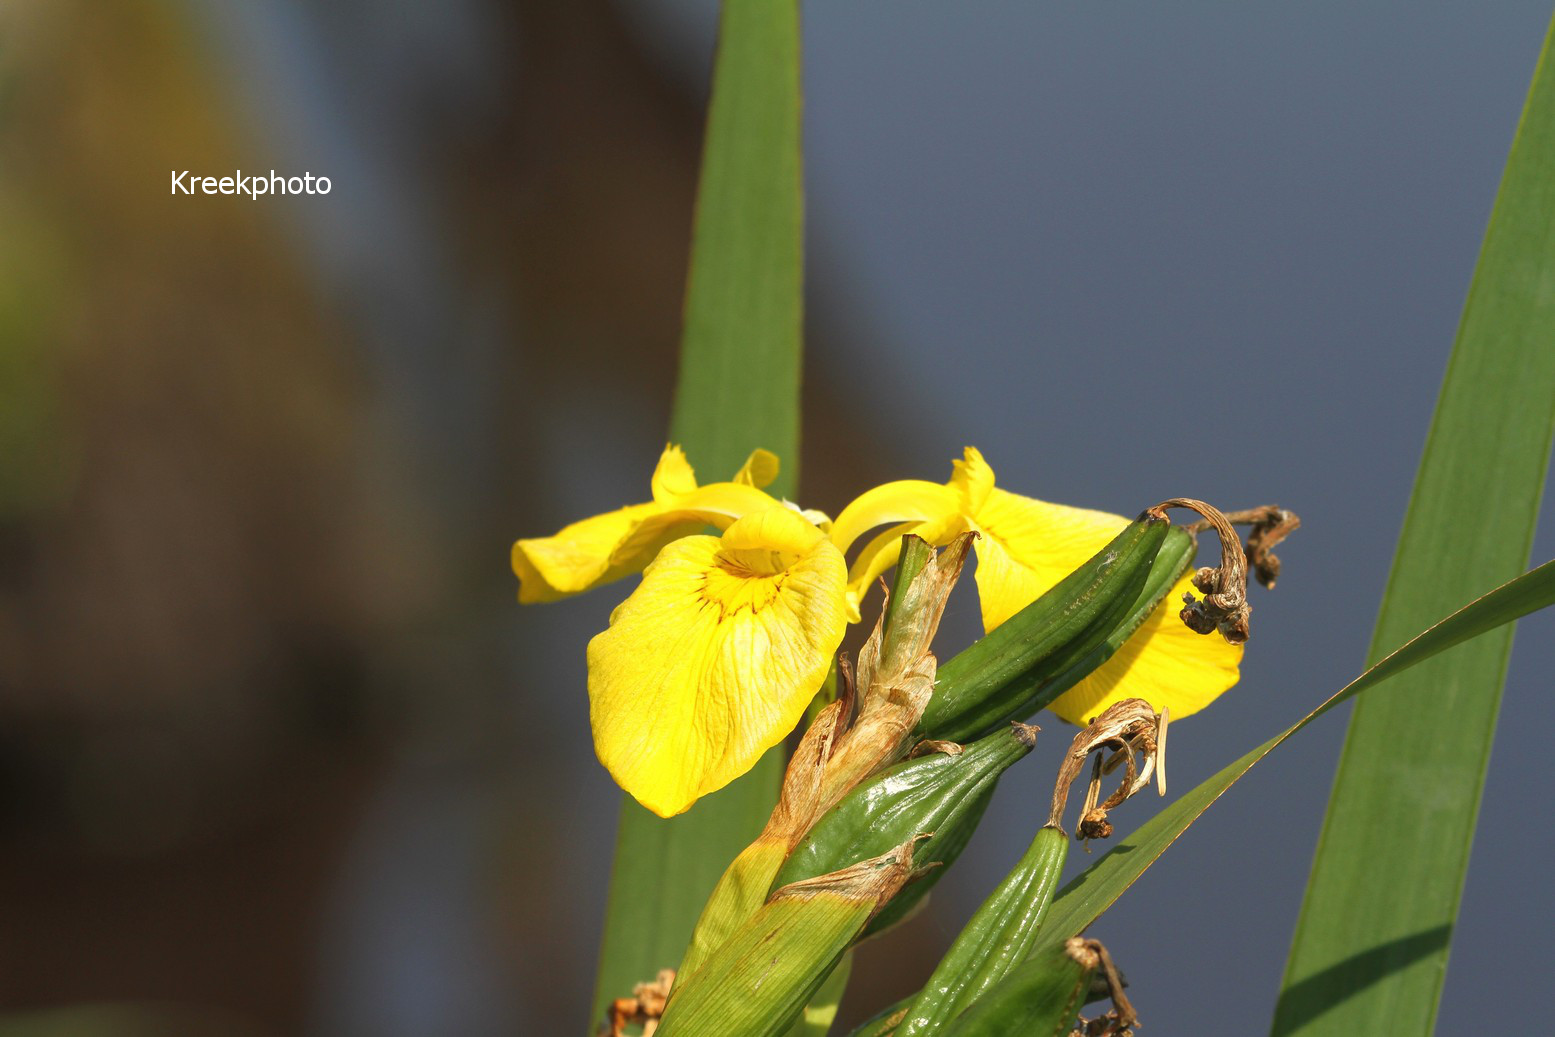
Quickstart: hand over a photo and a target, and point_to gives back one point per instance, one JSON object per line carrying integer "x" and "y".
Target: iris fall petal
{"x": 712, "y": 660}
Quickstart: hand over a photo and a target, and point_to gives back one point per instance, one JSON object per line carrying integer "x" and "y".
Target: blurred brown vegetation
{"x": 226, "y": 591}
{"x": 189, "y": 590}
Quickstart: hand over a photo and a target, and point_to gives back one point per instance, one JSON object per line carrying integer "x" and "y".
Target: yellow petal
{"x": 712, "y": 660}
{"x": 877, "y": 556}
{"x": 882, "y": 552}
{"x": 716, "y": 504}
{"x": 972, "y": 479}
{"x": 578, "y": 557}
{"x": 720, "y": 503}
{"x": 907, "y": 500}
{"x": 938, "y": 513}
{"x": 760, "y": 468}
{"x": 673, "y": 477}
{"x": 1029, "y": 545}
{"x": 1164, "y": 663}
{"x": 607, "y": 547}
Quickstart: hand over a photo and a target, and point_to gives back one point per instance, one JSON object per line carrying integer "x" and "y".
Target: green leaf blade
{"x": 1090, "y": 893}
{"x": 1370, "y": 949}
{"x": 741, "y": 349}
{"x": 738, "y": 390}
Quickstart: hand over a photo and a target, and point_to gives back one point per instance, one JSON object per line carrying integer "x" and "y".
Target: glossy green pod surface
{"x": 1173, "y": 560}
{"x": 1040, "y": 998}
{"x": 994, "y": 942}
{"x": 1007, "y": 674}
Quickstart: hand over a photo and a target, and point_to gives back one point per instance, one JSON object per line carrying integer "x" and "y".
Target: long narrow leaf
{"x": 1370, "y": 949}
{"x": 1094, "y": 890}
{"x": 738, "y": 389}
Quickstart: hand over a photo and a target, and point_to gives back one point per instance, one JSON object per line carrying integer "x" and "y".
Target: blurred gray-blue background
{"x": 280, "y": 754}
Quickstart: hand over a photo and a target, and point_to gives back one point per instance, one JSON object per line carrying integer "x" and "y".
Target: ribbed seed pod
{"x": 1005, "y": 675}
{"x": 992, "y": 947}
{"x": 941, "y": 795}
{"x": 884, "y": 1022}
{"x": 996, "y": 940}
{"x": 1171, "y": 562}
{"x": 1040, "y": 998}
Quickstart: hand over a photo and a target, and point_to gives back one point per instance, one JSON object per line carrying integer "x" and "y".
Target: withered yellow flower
{"x": 1025, "y": 547}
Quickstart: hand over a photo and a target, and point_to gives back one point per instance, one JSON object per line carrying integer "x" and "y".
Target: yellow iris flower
{"x": 713, "y": 658}
{"x": 1025, "y": 547}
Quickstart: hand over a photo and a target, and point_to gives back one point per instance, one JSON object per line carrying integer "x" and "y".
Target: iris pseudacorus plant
{"x": 714, "y": 657}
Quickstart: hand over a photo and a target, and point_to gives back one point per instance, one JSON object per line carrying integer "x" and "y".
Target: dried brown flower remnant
{"x": 868, "y": 726}
{"x": 1121, "y": 1019}
{"x": 1270, "y": 525}
{"x": 1125, "y": 728}
{"x": 938, "y": 745}
{"x": 896, "y": 669}
{"x": 1225, "y": 606}
{"x": 645, "y": 1006}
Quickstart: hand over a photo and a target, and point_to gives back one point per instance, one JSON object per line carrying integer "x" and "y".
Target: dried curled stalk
{"x": 1125, "y": 729}
{"x": 1121, "y": 1020}
{"x": 1270, "y": 525}
{"x": 1224, "y": 607}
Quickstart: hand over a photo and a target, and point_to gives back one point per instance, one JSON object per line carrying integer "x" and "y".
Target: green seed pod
{"x": 1171, "y": 562}
{"x": 1040, "y": 998}
{"x": 1007, "y": 674}
{"x": 997, "y": 939}
{"x": 941, "y": 795}
{"x": 758, "y": 981}
{"x": 884, "y": 1022}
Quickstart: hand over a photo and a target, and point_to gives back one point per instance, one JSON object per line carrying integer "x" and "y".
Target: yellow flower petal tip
{"x": 972, "y": 478}
{"x": 712, "y": 660}
{"x": 760, "y": 469}
{"x": 673, "y": 477}
{"x": 580, "y": 556}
